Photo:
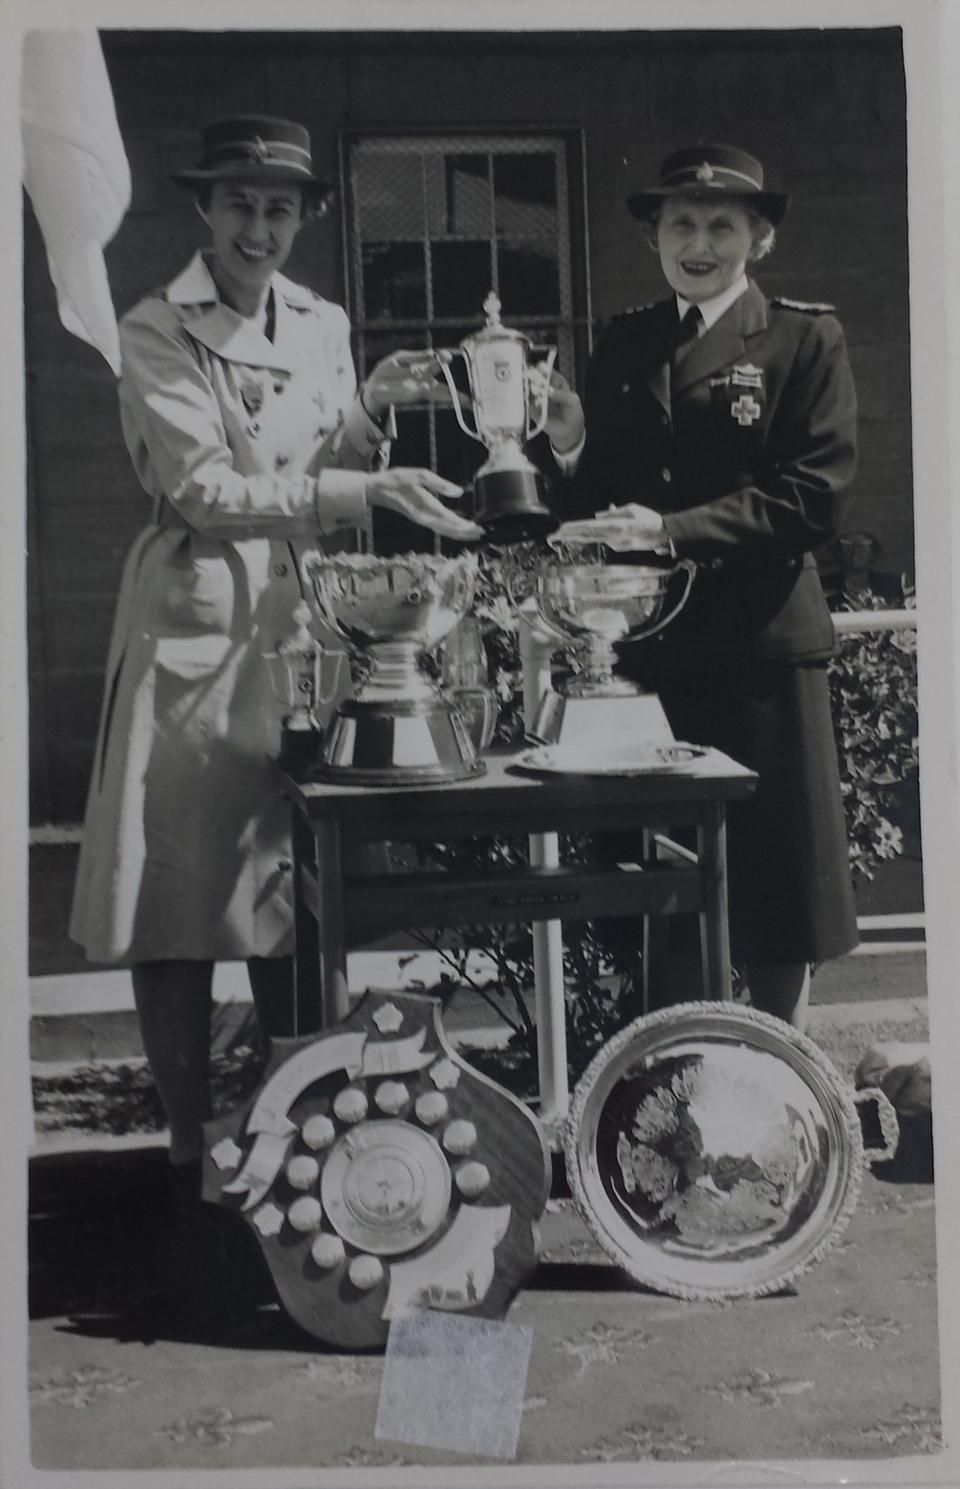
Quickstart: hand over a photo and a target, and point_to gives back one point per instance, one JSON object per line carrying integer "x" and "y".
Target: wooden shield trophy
{"x": 380, "y": 1174}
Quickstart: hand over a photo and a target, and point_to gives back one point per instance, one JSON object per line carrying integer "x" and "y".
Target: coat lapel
{"x": 235, "y": 339}
{"x": 725, "y": 342}
{"x": 651, "y": 355}
{"x": 232, "y": 336}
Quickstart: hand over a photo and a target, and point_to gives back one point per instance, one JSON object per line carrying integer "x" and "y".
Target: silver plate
{"x": 714, "y": 1151}
{"x": 386, "y": 1187}
{"x": 617, "y": 760}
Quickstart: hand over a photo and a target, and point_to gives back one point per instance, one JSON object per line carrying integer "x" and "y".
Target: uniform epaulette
{"x": 810, "y": 306}
{"x": 633, "y": 310}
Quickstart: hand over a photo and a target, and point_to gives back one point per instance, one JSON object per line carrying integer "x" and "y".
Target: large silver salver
{"x": 507, "y": 413}
{"x": 715, "y": 1152}
{"x": 589, "y": 605}
{"x": 399, "y": 726}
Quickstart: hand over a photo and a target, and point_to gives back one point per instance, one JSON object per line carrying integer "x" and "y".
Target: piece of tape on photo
{"x": 454, "y": 1383}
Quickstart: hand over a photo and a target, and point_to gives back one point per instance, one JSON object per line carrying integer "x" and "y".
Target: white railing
{"x": 854, "y": 622}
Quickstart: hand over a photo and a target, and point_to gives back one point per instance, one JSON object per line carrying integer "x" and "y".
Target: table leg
{"x": 307, "y": 1017}
{"x": 714, "y": 918}
{"x": 548, "y": 987}
{"x": 648, "y": 860}
{"x": 332, "y": 948}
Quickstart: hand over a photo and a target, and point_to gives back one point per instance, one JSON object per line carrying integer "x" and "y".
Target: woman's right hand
{"x": 416, "y": 494}
{"x": 403, "y": 377}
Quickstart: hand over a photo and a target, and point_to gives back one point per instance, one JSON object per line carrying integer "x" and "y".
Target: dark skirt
{"x": 791, "y": 897}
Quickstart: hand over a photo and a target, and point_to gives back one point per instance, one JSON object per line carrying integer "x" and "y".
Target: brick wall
{"x": 825, "y": 111}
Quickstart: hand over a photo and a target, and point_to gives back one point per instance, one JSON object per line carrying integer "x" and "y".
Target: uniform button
{"x": 280, "y": 461}
{"x": 625, "y": 388}
{"x": 278, "y": 387}
{"x": 667, "y": 474}
{"x": 716, "y": 563}
{"x": 281, "y": 570}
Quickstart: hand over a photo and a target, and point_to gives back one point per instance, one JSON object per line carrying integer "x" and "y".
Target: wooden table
{"x": 334, "y": 910}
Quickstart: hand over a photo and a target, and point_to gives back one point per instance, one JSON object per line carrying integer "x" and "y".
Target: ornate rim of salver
{"x": 651, "y": 1034}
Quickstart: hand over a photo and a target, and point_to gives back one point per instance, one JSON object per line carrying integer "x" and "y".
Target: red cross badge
{"x": 745, "y": 409}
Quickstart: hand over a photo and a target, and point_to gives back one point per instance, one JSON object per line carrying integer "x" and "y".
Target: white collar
{"x": 712, "y": 310}
{"x": 195, "y": 285}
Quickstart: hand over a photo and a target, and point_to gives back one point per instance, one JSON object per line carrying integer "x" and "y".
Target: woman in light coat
{"x": 241, "y": 413}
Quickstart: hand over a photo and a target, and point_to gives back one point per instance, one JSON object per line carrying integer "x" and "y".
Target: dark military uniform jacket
{"x": 747, "y": 455}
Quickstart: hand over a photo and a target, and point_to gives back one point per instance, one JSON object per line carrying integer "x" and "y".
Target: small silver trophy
{"x": 305, "y": 677}
{"x": 507, "y": 413}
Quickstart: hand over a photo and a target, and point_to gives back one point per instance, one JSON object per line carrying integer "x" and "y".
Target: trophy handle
{"x": 330, "y": 692}
{"x": 690, "y": 569}
{"x": 445, "y": 359}
{"x": 540, "y": 420}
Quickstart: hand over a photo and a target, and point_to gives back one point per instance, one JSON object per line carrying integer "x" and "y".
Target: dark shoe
{"x": 219, "y": 1275}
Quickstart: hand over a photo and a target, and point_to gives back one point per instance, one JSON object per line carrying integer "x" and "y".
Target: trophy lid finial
{"x": 491, "y": 306}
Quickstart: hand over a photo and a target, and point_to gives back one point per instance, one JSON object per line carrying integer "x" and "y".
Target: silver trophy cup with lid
{"x": 507, "y": 413}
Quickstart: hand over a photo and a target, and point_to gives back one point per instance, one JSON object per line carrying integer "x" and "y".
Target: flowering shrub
{"x": 873, "y": 690}
{"x": 500, "y": 625}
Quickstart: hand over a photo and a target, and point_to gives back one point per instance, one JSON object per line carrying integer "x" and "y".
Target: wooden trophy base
{"x": 381, "y": 1174}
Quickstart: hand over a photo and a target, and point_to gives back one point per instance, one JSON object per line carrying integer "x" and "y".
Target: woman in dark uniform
{"x": 723, "y": 425}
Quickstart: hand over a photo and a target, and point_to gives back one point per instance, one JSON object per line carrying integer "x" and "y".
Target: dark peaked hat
{"x": 254, "y": 147}
{"x": 707, "y": 170}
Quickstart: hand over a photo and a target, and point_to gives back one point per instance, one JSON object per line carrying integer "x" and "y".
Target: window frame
{"x": 572, "y": 141}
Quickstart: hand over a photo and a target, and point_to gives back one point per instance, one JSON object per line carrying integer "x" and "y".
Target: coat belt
{"x": 166, "y": 515}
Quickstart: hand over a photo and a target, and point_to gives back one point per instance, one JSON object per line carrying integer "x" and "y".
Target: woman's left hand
{"x": 564, "y": 423}
{"x": 404, "y": 377}
{"x": 626, "y": 528}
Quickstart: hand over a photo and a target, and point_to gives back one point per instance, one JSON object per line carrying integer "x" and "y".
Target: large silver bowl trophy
{"x": 589, "y": 605}
{"x": 398, "y": 727}
{"x": 713, "y": 1150}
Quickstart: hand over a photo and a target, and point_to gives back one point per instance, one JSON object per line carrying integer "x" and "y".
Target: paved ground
{"x": 140, "y": 1357}
{"x": 139, "y": 1360}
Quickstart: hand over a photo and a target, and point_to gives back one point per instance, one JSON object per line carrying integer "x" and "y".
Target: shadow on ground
{"x": 111, "y": 1254}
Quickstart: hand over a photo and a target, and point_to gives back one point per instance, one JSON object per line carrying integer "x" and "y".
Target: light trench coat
{"x": 252, "y": 449}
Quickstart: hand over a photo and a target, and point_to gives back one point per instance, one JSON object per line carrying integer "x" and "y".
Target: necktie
{"x": 686, "y": 333}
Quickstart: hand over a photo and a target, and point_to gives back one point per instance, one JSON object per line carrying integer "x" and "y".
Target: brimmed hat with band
{"x": 711, "y": 170}
{"x": 255, "y": 147}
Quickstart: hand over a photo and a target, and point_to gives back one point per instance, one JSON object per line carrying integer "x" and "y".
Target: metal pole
{"x": 535, "y": 649}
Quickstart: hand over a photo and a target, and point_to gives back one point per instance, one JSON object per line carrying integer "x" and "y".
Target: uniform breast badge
{"x": 745, "y": 375}
{"x": 252, "y": 394}
{"x": 380, "y": 1173}
{"x": 745, "y": 410}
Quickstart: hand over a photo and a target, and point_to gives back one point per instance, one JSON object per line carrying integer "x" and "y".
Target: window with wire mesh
{"x": 434, "y": 223}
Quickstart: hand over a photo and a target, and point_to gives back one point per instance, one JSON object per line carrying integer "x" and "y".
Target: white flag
{"x": 76, "y": 173}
